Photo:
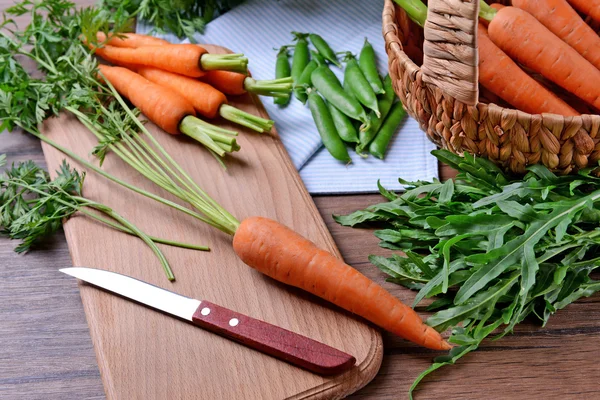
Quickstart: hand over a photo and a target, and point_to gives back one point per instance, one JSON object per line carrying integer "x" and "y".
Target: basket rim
{"x": 393, "y": 44}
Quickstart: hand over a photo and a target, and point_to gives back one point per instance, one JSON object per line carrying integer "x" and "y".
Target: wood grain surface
{"x": 46, "y": 351}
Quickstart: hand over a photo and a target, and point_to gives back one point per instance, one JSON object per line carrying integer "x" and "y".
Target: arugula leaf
{"x": 494, "y": 249}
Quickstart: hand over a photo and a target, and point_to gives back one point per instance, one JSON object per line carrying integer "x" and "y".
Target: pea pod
{"x": 343, "y": 124}
{"x": 282, "y": 70}
{"x": 318, "y": 57}
{"x": 390, "y": 126}
{"x": 384, "y": 102}
{"x": 368, "y": 65}
{"x": 359, "y": 85}
{"x": 325, "y": 81}
{"x": 304, "y": 81}
{"x": 326, "y": 127}
{"x": 301, "y": 57}
{"x": 323, "y": 48}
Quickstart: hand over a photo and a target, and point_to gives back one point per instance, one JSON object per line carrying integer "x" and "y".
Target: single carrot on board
{"x": 284, "y": 255}
{"x": 207, "y": 100}
{"x": 562, "y": 20}
{"x": 530, "y": 43}
{"x": 167, "y": 109}
{"x": 588, "y": 7}
{"x": 502, "y": 76}
{"x": 131, "y": 40}
{"x": 185, "y": 59}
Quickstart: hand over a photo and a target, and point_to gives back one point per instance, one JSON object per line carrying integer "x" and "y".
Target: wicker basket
{"x": 443, "y": 95}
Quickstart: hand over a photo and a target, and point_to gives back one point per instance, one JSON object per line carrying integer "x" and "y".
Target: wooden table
{"x": 46, "y": 351}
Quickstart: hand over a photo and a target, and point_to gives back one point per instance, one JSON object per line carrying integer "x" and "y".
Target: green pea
{"x": 318, "y": 57}
{"x": 326, "y": 127}
{"x": 323, "y": 48}
{"x": 282, "y": 70}
{"x": 390, "y": 126}
{"x": 325, "y": 81}
{"x": 343, "y": 124}
{"x": 384, "y": 101}
{"x": 359, "y": 85}
{"x": 301, "y": 57}
{"x": 304, "y": 81}
{"x": 368, "y": 65}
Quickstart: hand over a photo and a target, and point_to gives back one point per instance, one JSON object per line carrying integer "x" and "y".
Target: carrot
{"x": 560, "y": 18}
{"x": 501, "y": 76}
{"x": 284, "y": 255}
{"x": 530, "y": 43}
{"x": 206, "y": 100}
{"x": 131, "y": 40}
{"x": 588, "y": 7}
{"x": 185, "y": 59}
{"x": 233, "y": 83}
{"x": 166, "y": 108}
{"x": 495, "y": 6}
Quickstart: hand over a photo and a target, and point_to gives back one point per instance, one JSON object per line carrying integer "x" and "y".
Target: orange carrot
{"x": 284, "y": 255}
{"x": 588, "y": 7}
{"x": 185, "y": 59}
{"x": 207, "y": 100}
{"x": 232, "y": 83}
{"x": 168, "y": 109}
{"x": 131, "y": 40}
{"x": 530, "y": 43}
{"x": 560, "y": 18}
{"x": 500, "y": 75}
{"x": 162, "y": 106}
{"x": 227, "y": 82}
{"x": 495, "y": 6}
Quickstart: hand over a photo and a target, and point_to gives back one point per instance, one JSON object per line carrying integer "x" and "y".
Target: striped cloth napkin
{"x": 256, "y": 27}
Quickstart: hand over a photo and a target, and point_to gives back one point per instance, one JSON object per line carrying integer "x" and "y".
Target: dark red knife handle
{"x": 273, "y": 340}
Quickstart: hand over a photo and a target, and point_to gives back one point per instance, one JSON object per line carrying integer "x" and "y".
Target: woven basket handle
{"x": 450, "y": 49}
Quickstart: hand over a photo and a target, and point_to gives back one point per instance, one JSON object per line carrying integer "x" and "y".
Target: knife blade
{"x": 270, "y": 339}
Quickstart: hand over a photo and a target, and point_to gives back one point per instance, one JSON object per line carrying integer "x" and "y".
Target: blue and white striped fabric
{"x": 256, "y": 27}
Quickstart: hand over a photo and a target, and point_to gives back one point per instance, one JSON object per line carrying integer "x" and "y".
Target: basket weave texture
{"x": 443, "y": 96}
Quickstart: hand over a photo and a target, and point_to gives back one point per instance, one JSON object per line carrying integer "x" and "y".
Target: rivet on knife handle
{"x": 273, "y": 340}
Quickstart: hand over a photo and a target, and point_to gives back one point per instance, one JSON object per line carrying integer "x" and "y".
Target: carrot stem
{"x": 154, "y": 238}
{"x": 415, "y": 10}
{"x": 486, "y": 11}
{"x": 275, "y": 87}
{"x": 243, "y": 118}
{"x": 227, "y": 62}
{"x": 196, "y": 131}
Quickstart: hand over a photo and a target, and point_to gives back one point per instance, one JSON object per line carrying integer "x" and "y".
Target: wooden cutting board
{"x": 143, "y": 354}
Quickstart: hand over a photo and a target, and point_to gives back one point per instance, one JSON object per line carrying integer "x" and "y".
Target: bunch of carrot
{"x": 360, "y": 112}
{"x": 538, "y": 56}
{"x": 171, "y": 83}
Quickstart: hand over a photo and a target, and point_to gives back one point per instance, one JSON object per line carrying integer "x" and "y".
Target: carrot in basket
{"x": 167, "y": 109}
{"x": 185, "y": 59}
{"x": 503, "y": 77}
{"x": 560, "y": 18}
{"x": 131, "y": 40}
{"x": 207, "y": 100}
{"x": 284, "y": 255}
{"x": 588, "y": 7}
{"x": 530, "y": 43}
{"x": 499, "y": 74}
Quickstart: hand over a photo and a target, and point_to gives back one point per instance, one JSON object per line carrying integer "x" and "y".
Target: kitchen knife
{"x": 259, "y": 335}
